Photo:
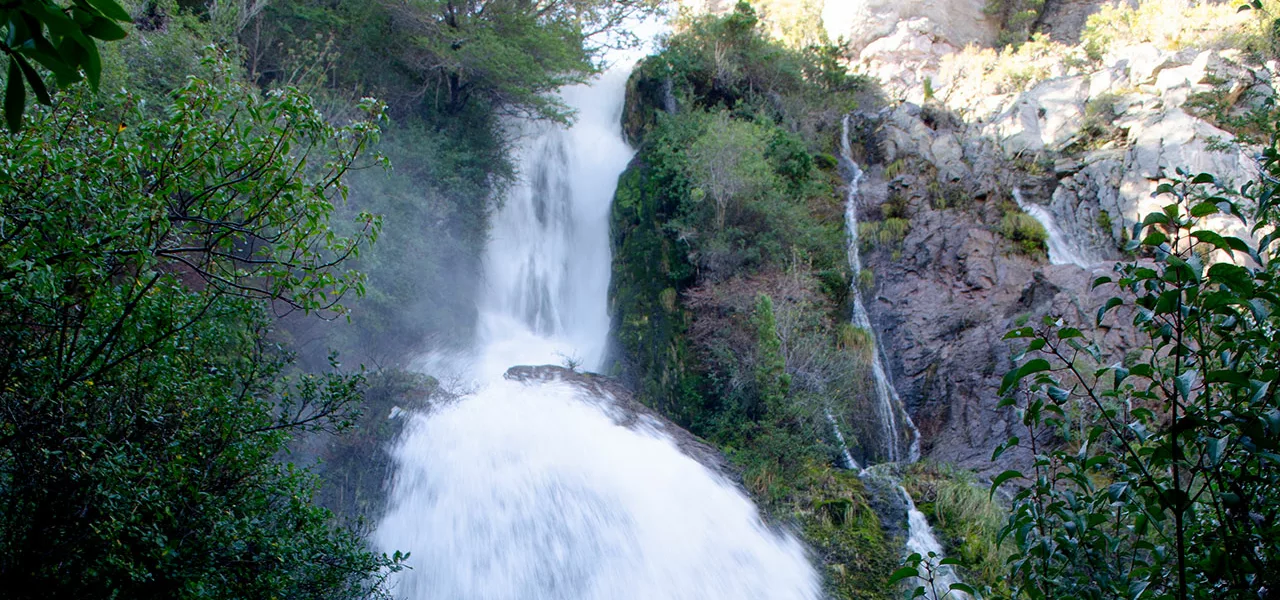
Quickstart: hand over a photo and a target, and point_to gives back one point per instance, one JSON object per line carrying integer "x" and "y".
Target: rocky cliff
{"x": 1086, "y": 127}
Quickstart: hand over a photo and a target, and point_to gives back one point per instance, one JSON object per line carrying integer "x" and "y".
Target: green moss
{"x": 834, "y": 514}
{"x": 1025, "y": 232}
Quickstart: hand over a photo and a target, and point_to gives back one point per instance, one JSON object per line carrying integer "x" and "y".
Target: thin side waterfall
{"x": 1063, "y": 250}
{"x": 845, "y": 455}
{"x": 889, "y": 404}
{"x": 529, "y": 490}
{"x": 920, "y": 537}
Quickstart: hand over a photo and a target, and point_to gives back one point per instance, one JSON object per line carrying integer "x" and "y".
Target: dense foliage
{"x": 58, "y": 38}
{"x": 1158, "y": 475}
{"x": 143, "y": 405}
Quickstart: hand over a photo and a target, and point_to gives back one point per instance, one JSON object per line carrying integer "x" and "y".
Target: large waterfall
{"x": 526, "y": 491}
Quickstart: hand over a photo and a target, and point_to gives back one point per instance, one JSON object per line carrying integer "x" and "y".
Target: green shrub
{"x": 888, "y": 233}
{"x": 1025, "y": 232}
{"x": 1016, "y": 19}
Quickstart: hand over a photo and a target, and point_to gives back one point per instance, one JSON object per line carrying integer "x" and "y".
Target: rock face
{"x": 902, "y": 43}
{"x": 1090, "y": 142}
{"x": 865, "y": 22}
{"x": 942, "y": 309}
{"x": 620, "y": 404}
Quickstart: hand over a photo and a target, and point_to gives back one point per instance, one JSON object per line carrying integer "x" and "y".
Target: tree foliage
{"x": 58, "y": 38}
{"x": 1157, "y": 476}
{"x": 454, "y": 57}
{"x": 143, "y": 406}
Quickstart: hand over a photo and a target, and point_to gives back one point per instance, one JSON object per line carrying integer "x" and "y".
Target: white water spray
{"x": 920, "y": 539}
{"x": 527, "y": 491}
{"x": 1063, "y": 250}
{"x": 531, "y": 491}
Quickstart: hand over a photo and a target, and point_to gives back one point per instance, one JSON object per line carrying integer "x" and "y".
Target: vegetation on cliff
{"x": 144, "y": 406}
{"x": 731, "y": 280}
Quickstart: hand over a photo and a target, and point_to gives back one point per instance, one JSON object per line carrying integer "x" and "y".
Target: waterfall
{"x": 845, "y": 455}
{"x": 888, "y": 403}
{"x": 1063, "y": 250}
{"x": 920, "y": 537}
{"x": 527, "y": 490}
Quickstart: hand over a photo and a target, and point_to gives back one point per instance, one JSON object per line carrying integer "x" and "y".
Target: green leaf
{"x": 1237, "y": 278}
{"x": 1120, "y": 374}
{"x": 1021, "y": 332}
{"x": 1110, "y": 304}
{"x": 1214, "y": 449}
{"x": 15, "y": 97}
{"x": 1183, "y": 383}
{"x": 1136, "y": 588}
{"x": 1155, "y": 219}
{"x": 1226, "y": 376}
{"x": 1003, "y": 477}
{"x": 92, "y": 64}
{"x": 903, "y": 573}
{"x": 958, "y": 586}
{"x": 111, "y": 10}
{"x": 1116, "y": 491}
{"x": 33, "y": 79}
{"x": 1213, "y": 239}
{"x": 1012, "y": 378}
{"x": 1004, "y": 446}
{"x": 1204, "y": 209}
{"x": 105, "y": 30}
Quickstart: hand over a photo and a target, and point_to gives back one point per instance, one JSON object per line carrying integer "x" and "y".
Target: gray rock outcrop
{"x": 1088, "y": 141}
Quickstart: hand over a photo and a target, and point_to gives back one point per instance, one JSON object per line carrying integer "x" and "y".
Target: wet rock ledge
{"x": 620, "y": 404}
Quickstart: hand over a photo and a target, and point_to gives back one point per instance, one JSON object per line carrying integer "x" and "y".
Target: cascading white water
{"x": 920, "y": 539}
{"x": 887, "y": 397}
{"x": 1063, "y": 250}
{"x": 845, "y": 455}
{"x": 531, "y": 491}
{"x": 525, "y": 491}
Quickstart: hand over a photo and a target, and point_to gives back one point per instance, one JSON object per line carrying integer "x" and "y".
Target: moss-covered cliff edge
{"x": 730, "y": 281}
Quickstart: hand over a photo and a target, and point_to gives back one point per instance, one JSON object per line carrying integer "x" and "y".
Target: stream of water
{"x": 526, "y": 491}
{"x": 896, "y": 438}
{"x": 1063, "y": 249}
{"x": 920, "y": 536}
